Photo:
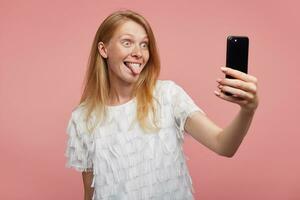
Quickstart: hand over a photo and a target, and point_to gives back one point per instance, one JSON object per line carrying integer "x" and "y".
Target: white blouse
{"x": 129, "y": 164}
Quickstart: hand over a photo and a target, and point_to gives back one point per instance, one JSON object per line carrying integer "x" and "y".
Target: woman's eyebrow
{"x": 145, "y": 37}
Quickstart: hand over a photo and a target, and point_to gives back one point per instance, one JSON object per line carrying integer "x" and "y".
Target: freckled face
{"x": 127, "y": 53}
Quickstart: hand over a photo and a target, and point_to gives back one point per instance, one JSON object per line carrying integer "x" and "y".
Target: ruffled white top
{"x": 129, "y": 164}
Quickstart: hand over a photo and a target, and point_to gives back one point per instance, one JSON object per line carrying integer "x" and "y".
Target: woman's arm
{"x": 226, "y": 141}
{"x": 87, "y": 182}
{"x": 232, "y": 136}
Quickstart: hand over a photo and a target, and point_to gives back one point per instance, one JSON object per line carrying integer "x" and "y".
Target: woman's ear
{"x": 102, "y": 49}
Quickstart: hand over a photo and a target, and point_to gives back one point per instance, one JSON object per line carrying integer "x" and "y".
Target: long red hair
{"x": 96, "y": 84}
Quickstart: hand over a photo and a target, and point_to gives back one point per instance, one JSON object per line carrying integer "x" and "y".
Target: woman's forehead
{"x": 131, "y": 29}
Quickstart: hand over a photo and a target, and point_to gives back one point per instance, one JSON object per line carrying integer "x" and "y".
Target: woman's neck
{"x": 120, "y": 93}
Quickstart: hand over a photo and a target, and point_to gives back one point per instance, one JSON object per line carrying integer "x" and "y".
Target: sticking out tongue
{"x": 135, "y": 69}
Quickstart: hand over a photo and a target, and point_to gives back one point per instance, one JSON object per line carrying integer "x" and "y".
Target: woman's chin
{"x": 129, "y": 78}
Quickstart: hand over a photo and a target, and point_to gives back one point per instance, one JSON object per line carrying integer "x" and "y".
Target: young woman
{"x": 126, "y": 134}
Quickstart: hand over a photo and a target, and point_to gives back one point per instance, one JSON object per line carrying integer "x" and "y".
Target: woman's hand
{"x": 243, "y": 89}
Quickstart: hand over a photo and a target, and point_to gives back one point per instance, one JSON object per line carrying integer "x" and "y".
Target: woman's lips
{"x": 134, "y": 67}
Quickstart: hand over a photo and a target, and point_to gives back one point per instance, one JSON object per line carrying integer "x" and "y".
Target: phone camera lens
{"x": 235, "y": 40}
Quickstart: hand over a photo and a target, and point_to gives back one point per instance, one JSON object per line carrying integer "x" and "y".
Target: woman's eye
{"x": 126, "y": 43}
{"x": 144, "y": 45}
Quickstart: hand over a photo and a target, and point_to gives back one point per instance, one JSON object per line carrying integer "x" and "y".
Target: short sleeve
{"x": 183, "y": 106}
{"x": 79, "y": 150}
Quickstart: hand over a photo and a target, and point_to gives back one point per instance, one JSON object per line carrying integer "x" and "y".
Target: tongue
{"x": 134, "y": 70}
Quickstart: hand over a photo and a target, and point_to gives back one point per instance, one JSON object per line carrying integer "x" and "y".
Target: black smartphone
{"x": 237, "y": 54}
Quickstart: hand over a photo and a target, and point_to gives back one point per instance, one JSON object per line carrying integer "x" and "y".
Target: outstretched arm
{"x": 226, "y": 141}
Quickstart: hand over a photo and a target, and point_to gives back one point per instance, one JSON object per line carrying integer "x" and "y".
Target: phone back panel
{"x": 237, "y": 53}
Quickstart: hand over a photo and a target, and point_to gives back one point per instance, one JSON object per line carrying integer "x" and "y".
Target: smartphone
{"x": 237, "y": 54}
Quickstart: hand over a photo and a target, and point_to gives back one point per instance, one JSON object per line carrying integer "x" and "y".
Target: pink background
{"x": 44, "y": 49}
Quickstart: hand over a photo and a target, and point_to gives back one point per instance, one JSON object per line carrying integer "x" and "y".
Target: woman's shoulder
{"x": 167, "y": 88}
{"x": 164, "y": 91}
{"x": 165, "y": 85}
{"x": 78, "y": 112}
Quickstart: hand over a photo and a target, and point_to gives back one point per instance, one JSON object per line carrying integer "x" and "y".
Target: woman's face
{"x": 127, "y": 52}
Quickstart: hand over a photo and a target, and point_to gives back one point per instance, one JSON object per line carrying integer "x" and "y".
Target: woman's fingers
{"x": 236, "y": 83}
{"x": 237, "y": 93}
{"x": 232, "y": 99}
{"x": 243, "y": 88}
{"x": 239, "y": 75}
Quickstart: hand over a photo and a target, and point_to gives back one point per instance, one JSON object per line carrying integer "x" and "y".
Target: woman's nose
{"x": 136, "y": 51}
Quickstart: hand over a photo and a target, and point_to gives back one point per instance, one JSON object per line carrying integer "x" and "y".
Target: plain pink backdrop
{"x": 44, "y": 49}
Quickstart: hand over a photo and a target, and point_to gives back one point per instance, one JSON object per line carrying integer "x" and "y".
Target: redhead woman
{"x": 126, "y": 134}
